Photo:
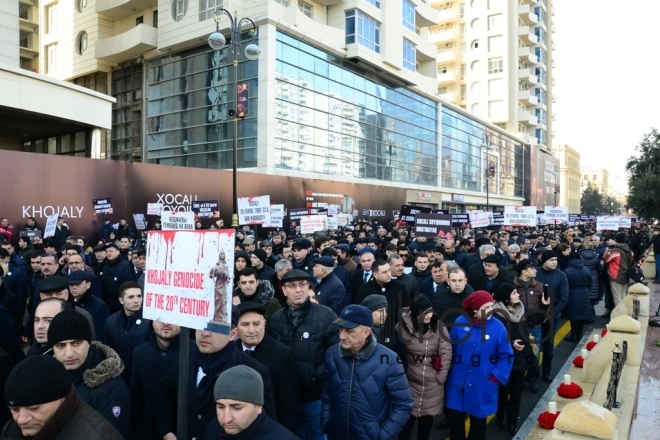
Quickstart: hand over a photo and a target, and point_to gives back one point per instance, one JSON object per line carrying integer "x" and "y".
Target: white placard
{"x": 481, "y": 219}
{"x": 139, "y": 220}
{"x": 276, "y": 217}
{"x": 624, "y": 222}
{"x": 342, "y": 219}
{"x": 254, "y": 210}
{"x": 331, "y": 222}
{"x": 607, "y": 223}
{"x": 312, "y": 223}
{"x": 557, "y": 214}
{"x": 51, "y": 225}
{"x": 520, "y": 215}
{"x": 178, "y": 220}
{"x": 154, "y": 208}
{"x": 189, "y": 278}
{"x": 333, "y": 209}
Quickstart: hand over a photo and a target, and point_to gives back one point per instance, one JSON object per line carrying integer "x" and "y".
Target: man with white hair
{"x": 330, "y": 291}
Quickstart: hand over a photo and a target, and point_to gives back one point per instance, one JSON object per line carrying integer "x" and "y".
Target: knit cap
{"x": 375, "y": 302}
{"x": 240, "y": 383}
{"x": 69, "y": 325}
{"x": 37, "y": 380}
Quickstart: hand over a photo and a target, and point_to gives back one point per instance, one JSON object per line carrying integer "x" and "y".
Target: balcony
{"x": 444, "y": 36}
{"x": 128, "y": 45}
{"x": 527, "y": 15}
{"x": 527, "y": 76}
{"x": 526, "y": 34}
{"x": 526, "y": 55}
{"x": 425, "y": 15}
{"x": 527, "y": 97}
{"x": 445, "y": 78}
{"x": 27, "y": 26}
{"x": 524, "y": 136}
{"x": 445, "y": 56}
{"x": 527, "y": 118}
{"x": 118, "y": 9}
{"x": 445, "y": 16}
{"x": 451, "y": 97}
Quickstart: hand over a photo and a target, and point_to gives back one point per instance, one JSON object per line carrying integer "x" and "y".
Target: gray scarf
{"x": 515, "y": 312}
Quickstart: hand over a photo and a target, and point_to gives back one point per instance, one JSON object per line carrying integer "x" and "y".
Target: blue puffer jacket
{"x": 590, "y": 259}
{"x": 366, "y": 396}
{"x": 469, "y": 387}
{"x": 557, "y": 288}
{"x": 578, "y": 307}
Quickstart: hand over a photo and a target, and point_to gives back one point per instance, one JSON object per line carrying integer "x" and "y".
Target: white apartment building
{"x": 495, "y": 60}
{"x": 570, "y": 193}
{"x": 598, "y": 178}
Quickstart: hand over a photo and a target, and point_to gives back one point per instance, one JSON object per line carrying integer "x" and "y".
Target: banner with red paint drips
{"x": 189, "y": 278}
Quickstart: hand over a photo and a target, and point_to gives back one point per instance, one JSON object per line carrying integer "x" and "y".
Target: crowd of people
{"x": 365, "y": 332}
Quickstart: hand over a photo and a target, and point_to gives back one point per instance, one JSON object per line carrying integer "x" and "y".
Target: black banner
{"x": 440, "y": 211}
{"x": 205, "y": 209}
{"x": 498, "y": 218}
{"x": 460, "y": 220}
{"x": 433, "y": 225}
{"x": 297, "y": 213}
{"x": 102, "y": 206}
{"x": 574, "y": 218}
{"x": 409, "y": 212}
{"x": 34, "y": 236}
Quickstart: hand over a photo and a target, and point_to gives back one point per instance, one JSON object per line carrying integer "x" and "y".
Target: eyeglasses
{"x": 403, "y": 255}
{"x": 302, "y": 285}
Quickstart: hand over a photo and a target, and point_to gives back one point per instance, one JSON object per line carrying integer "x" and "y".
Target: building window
{"x": 442, "y": 69}
{"x": 521, "y": 128}
{"x": 461, "y": 30}
{"x": 494, "y": 4}
{"x": 155, "y": 18}
{"x": 463, "y": 92}
{"x": 541, "y": 115}
{"x": 540, "y": 34}
{"x": 495, "y": 65}
{"x": 284, "y": 3}
{"x": 595, "y": 177}
{"x": 541, "y": 94}
{"x": 541, "y": 75}
{"x": 81, "y": 5}
{"x": 494, "y": 22}
{"x": 409, "y": 55}
{"x": 51, "y": 58}
{"x": 495, "y": 108}
{"x": 495, "y": 87}
{"x": 207, "y": 8}
{"x": 463, "y": 49}
{"x": 539, "y": 14}
{"x": 51, "y": 18}
{"x": 376, "y": 3}
{"x": 408, "y": 15}
{"x": 540, "y": 54}
{"x": 442, "y": 90}
{"x": 495, "y": 43}
{"x": 139, "y": 20}
{"x": 463, "y": 71}
{"x": 540, "y": 136}
{"x": 362, "y": 29}
{"x": 179, "y": 9}
{"x": 306, "y": 8}
{"x": 461, "y": 10}
{"x": 81, "y": 43}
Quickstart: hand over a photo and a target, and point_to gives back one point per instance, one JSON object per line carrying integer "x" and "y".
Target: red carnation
{"x": 591, "y": 345}
{"x": 547, "y": 420}
{"x": 603, "y": 333}
{"x": 578, "y": 362}
{"x": 571, "y": 391}
{"x": 436, "y": 363}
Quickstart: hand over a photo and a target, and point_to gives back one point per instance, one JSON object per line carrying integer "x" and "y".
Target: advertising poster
{"x": 433, "y": 225}
{"x": 254, "y": 210}
{"x": 178, "y": 221}
{"x": 556, "y": 214}
{"x": 154, "y": 208}
{"x": 205, "y": 209}
{"x": 608, "y": 223}
{"x": 102, "y": 206}
{"x": 51, "y": 225}
{"x": 520, "y": 215}
{"x": 242, "y": 94}
{"x": 189, "y": 278}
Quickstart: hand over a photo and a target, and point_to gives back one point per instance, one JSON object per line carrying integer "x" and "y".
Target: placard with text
{"x": 254, "y": 210}
{"x": 520, "y": 215}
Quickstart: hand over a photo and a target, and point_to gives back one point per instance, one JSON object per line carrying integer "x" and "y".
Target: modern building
{"x": 598, "y": 178}
{"x": 495, "y": 60}
{"x": 569, "y": 178}
{"x": 342, "y": 92}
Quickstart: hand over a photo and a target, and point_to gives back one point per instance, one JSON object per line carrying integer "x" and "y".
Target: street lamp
{"x": 556, "y": 174}
{"x": 487, "y": 144}
{"x": 217, "y": 41}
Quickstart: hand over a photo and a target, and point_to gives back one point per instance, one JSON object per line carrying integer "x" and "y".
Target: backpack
{"x": 635, "y": 273}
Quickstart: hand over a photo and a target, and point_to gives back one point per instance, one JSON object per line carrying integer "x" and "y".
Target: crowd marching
{"x": 365, "y": 332}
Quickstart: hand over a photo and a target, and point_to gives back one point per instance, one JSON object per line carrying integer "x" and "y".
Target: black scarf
{"x": 211, "y": 366}
{"x": 62, "y": 416}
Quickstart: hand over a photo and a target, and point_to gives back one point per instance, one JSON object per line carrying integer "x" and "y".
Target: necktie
{"x": 249, "y": 353}
{"x": 366, "y": 277}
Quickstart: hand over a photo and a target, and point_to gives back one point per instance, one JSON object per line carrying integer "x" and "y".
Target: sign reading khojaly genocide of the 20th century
{"x": 189, "y": 278}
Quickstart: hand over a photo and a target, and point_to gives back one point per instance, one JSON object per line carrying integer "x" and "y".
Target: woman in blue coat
{"x": 578, "y": 309}
{"x": 591, "y": 260}
{"x": 482, "y": 359}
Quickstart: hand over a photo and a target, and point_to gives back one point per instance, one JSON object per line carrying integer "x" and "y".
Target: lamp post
{"x": 217, "y": 41}
{"x": 487, "y": 144}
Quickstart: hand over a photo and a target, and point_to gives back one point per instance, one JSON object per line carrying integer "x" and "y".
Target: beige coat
{"x": 427, "y": 385}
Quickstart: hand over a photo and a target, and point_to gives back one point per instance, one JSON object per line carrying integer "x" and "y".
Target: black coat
{"x": 427, "y": 287}
{"x": 150, "y": 363}
{"x": 309, "y": 338}
{"x": 478, "y": 269}
{"x": 16, "y": 309}
{"x": 8, "y": 340}
{"x": 6, "y": 365}
{"x": 112, "y": 275}
{"x": 579, "y": 279}
{"x": 201, "y": 409}
{"x": 331, "y": 292}
{"x": 357, "y": 280}
{"x": 410, "y": 283}
{"x": 391, "y": 291}
{"x": 61, "y": 233}
{"x": 263, "y": 428}
{"x": 281, "y": 363}
{"x": 124, "y": 334}
{"x": 481, "y": 282}
{"x": 266, "y": 273}
{"x": 17, "y": 282}
{"x": 524, "y": 359}
{"x": 591, "y": 261}
{"x": 446, "y": 300}
{"x": 99, "y": 311}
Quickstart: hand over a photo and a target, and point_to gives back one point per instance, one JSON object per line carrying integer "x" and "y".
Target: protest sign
{"x": 178, "y": 221}
{"x": 276, "y": 217}
{"x": 460, "y": 220}
{"x": 574, "y": 218}
{"x": 34, "y": 236}
{"x": 205, "y": 209}
{"x": 154, "y": 208}
{"x": 480, "y": 219}
{"x": 189, "y": 278}
{"x": 334, "y": 209}
{"x": 625, "y": 222}
{"x": 140, "y": 223}
{"x": 51, "y": 225}
{"x": 408, "y": 213}
{"x": 433, "y": 225}
{"x": 556, "y": 214}
{"x": 254, "y": 210}
{"x": 297, "y": 213}
{"x": 312, "y": 223}
{"x": 331, "y": 222}
{"x": 102, "y": 206}
{"x": 498, "y": 218}
{"x": 520, "y": 215}
{"x": 607, "y": 223}
{"x": 342, "y": 219}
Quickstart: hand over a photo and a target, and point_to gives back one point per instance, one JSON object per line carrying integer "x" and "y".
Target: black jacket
{"x": 263, "y": 428}
{"x": 357, "y": 280}
{"x": 331, "y": 292}
{"x": 266, "y": 273}
{"x": 410, "y": 283}
{"x": 446, "y": 300}
{"x": 281, "y": 363}
{"x": 124, "y": 334}
{"x": 99, "y": 311}
{"x": 99, "y": 383}
{"x": 16, "y": 309}
{"x": 428, "y": 288}
{"x": 112, "y": 275}
{"x": 309, "y": 332}
{"x": 201, "y": 410}
{"x": 6, "y": 365}
{"x": 150, "y": 363}
{"x": 61, "y": 233}
{"x": 481, "y": 282}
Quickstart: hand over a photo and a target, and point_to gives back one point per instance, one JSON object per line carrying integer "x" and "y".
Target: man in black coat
{"x": 12, "y": 303}
{"x": 397, "y": 266}
{"x": 258, "y": 259}
{"x": 126, "y": 329}
{"x": 330, "y": 291}
{"x": 493, "y": 277}
{"x": 80, "y": 283}
{"x": 301, "y": 259}
{"x": 451, "y": 298}
{"x": 114, "y": 272}
{"x": 436, "y": 282}
{"x": 277, "y": 357}
{"x": 363, "y": 274}
{"x": 214, "y": 354}
{"x": 151, "y": 361}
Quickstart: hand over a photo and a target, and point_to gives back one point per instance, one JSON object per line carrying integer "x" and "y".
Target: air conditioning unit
{"x": 448, "y": 45}
{"x": 449, "y": 5}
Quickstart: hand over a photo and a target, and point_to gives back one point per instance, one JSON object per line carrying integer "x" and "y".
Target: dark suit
{"x": 427, "y": 287}
{"x": 357, "y": 281}
{"x": 281, "y": 363}
{"x": 474, "y": 271}
{"x": 481, "y": 282}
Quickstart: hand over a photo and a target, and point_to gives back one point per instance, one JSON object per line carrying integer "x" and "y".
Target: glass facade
{"x": 126, "y": 134}
{"x": 333, "y": 117}
{"x": 189, "y": 95}
{"x": 465, "y": 161}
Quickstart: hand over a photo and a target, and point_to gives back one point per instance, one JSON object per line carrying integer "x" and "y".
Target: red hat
{"x": 476, "y": 300}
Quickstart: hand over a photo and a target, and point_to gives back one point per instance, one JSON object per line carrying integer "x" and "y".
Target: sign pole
{"x": 184, "y": 376}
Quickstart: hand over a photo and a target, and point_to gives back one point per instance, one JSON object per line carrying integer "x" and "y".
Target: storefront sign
{"x": 458, "y": 198}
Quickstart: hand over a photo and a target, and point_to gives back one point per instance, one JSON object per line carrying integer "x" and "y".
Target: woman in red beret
{"x": 482, "y": 359}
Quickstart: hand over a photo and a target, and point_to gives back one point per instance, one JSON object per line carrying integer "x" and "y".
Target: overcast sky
{"x": 607, "y": 79}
